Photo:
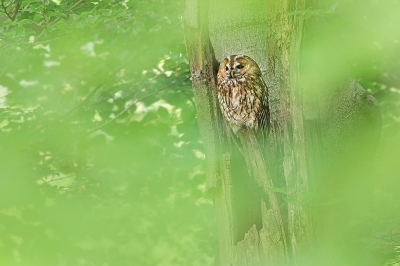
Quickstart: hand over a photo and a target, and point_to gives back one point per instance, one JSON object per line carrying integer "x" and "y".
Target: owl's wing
{"x": 263, "y": 119}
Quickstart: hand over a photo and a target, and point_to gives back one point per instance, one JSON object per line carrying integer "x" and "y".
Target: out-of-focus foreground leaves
{"x": 378, "y": 71}
{"x": 361, "y": 39}
{"x": 100, "y": 158}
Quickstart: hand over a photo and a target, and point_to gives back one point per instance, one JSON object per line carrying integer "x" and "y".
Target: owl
{"x": 242, "y": 93}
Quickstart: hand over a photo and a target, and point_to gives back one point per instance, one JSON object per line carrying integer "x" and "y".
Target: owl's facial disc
{"x": 233, "y": 71}
{"x": 237, "y": 70}
{"x": 229, "y": 70}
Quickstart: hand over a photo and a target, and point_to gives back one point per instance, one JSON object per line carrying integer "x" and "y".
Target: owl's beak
{"x": 232, "y": 73}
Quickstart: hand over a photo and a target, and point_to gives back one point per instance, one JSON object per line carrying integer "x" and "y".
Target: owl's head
{"x": 238, "y": 66}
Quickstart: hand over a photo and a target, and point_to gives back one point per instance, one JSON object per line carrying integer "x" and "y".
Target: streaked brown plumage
{"x": 242, "y": 93}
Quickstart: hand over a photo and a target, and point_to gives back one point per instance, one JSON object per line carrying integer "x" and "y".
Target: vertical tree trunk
{"x": 259, "y": 192}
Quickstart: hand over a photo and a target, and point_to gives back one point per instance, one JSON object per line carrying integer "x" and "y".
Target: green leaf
{"x": 8, "y": 23}
{"x": 56, "y": 14}
{"x": 24, "y": 21}
{"x": 4, "y": 123}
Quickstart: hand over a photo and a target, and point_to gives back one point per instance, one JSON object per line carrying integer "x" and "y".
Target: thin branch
{"x": 85, "y": 99}
{"x": 40, "y": 35}
{"x": 12, "y": 17}
{"x": 61, "y": 178}
{"x": 72, "y": 7}
{"x": 91, "y": 93}
{"x": 129, "y": 106}
{"x": 59, "y": 18}
{"x": 17, "y": 6}
{"x": 98, "y": 87}
{"x": 5, "y": 11}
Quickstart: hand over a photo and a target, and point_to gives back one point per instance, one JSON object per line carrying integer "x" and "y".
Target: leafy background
{"x": 101, "y": 162}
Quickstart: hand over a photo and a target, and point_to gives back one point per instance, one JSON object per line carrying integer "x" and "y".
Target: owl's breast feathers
{"x": 243, "y": 102}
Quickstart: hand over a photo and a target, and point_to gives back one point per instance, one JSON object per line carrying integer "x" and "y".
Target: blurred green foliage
{"x": 101, "y": 162}
{"x": 361, "y": 39}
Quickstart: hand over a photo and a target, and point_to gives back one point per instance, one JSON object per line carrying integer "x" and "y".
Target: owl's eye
{"x": 226, "y": 68}
{"x": 240, "y": 66}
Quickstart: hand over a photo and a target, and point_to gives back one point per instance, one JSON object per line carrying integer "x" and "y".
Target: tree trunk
{"x": 260, "y": 193}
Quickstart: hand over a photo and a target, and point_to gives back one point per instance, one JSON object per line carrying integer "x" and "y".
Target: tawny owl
{"x": 242, "y": 93}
